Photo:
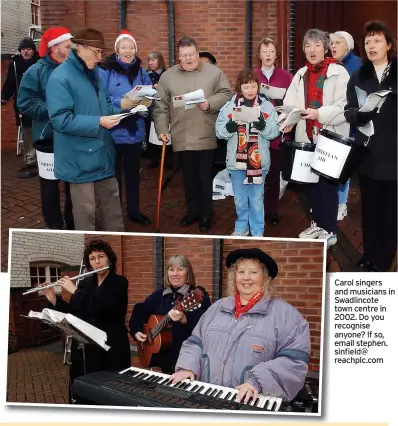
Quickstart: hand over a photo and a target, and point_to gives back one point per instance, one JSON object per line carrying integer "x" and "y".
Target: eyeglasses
{"x": 188, "y": 55}
{"x": 97, "y": 52}
{"x": 99, "y": 257}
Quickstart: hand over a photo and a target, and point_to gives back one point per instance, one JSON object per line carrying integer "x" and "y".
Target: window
{"x": 35, "y": 7}
{"x": 39, "y": 273}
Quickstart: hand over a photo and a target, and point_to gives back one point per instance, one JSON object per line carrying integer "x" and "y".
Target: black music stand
{"x": 70, "y": 333}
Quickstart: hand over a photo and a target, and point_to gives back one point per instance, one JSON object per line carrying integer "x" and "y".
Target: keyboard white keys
{"x": 269, "y": 403}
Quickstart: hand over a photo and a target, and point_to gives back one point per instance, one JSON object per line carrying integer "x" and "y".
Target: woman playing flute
{"x": 101, "y": 300}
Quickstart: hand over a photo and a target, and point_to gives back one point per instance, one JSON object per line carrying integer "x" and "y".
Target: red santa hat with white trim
{"x": 125, "y": 34}
{"x": 51, "y": 37}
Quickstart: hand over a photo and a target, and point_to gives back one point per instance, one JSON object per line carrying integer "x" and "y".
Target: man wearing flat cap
{"x": 251, "y": 340}
{"x": 81, "y": 112}
{"x": 17, "y": 67}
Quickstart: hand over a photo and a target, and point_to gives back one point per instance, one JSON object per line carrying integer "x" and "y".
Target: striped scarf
{"x": 247, "y": 153}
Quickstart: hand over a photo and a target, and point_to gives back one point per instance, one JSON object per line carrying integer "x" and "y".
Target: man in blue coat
{"x": 80, "y": 112}
{"x": 55, "y": 46}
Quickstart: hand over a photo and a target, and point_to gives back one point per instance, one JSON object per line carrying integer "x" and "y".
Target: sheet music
{"x": 139, "y": 91}
{"x": 293, "y": 118}
{"x": 245, "y": 114}
{"x": 97, "y": 335}
{"x": 375, "y": 100}
{"x": 136, "y": 110}
{"x": 189, "y": 100}
{"x": 272, "y": 92}
{"x": 369, "y": 103}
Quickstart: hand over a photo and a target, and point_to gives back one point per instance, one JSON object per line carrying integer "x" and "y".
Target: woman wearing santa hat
{"x": 54, "y": 48}
{"x": 120, "y": 73}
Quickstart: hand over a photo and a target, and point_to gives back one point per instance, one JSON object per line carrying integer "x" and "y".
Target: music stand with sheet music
{"x": 70, "y": 333}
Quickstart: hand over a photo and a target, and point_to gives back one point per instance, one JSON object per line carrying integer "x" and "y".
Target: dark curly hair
{"x": 379, "y": 27}
{"x": 99, "y": 245}
{"x": 244, "y": 77}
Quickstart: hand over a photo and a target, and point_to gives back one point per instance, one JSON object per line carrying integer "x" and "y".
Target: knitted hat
{"x": 253, "y": 253}
{"x": 28, "y": 43}
{"x": 345, "y": 36}
{"x": 125, "y": 34}
{"x": 51, "y": 37}
{"x": 89, "y": 37}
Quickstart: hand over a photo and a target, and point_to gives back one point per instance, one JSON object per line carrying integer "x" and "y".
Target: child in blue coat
{"x": 248, "y": 157}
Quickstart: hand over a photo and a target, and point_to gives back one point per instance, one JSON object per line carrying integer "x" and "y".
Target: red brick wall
{"x": 147, "y": 21}
{"x": 199, "y": 251}
{"x": 299, "y": 280}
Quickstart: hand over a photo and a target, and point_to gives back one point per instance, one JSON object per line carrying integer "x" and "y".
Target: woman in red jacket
{"x": 275, "y": 77}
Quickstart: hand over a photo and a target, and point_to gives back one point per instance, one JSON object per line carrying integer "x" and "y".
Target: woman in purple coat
{"x": 276, "y": 77}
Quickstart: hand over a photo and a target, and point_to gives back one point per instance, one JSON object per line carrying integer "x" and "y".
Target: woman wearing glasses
{"x": 120, "y": 73}
{"x": 100, "y": 300}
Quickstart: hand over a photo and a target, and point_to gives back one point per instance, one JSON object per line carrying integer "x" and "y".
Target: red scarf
{"x": 239, "y": 309}
{"x": 316, "y": 79}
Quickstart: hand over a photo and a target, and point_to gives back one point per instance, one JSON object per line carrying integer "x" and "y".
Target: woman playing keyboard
{"x": 250, "y": 341}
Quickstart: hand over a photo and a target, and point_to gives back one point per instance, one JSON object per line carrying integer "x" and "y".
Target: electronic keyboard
{"x": 145, "y": 388}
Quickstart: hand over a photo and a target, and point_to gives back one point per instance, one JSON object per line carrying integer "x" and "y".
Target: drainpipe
{"x": 171, "y": 27}
{"x": 249, "y": 33}
{"x": 158, "y": 262}
{"x": 217, "y": 268}
{"x": 122, "y": 14}
{"x": 292, "y": 34}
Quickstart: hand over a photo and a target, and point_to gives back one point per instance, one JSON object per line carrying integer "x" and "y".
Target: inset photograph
{"x": 166, "y": 322}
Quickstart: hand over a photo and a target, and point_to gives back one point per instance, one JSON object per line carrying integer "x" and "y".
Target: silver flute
{"x": 86, "y": 274}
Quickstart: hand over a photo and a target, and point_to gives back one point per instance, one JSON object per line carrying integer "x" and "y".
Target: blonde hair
{"x": 183, "y": 262}
{"x": 268, "y": 288}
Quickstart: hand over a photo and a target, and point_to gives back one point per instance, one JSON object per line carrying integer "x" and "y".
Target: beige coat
{"x": 192, "y": 129}
{"x": 331, "y": 113}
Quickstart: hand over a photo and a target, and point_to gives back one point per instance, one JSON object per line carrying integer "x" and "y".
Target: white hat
{"x": 125, "y": 34}
{"x": 345, "y": 36}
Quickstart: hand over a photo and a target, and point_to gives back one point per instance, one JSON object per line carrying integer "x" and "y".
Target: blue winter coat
{"x": 32, "y": 97}
{"x": 131, "y": 130}
{"x": 270, "y": 132}
{"x": 352, "y": 63}
{"x": 84, "y": 151}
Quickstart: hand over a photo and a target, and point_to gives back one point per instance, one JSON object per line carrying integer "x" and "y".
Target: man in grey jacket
{"x": 192, "y": 130}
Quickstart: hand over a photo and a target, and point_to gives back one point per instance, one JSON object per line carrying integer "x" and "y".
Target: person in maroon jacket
{"x": 275, "y": 77}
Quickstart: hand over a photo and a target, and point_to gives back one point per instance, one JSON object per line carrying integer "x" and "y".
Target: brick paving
{"x": 36, "y": 375}
{"x": 21, "y": 208}
{"x": 39, "y": 376}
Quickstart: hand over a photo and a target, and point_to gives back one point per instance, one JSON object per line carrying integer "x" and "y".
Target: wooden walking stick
{"x": 160, "y": 184}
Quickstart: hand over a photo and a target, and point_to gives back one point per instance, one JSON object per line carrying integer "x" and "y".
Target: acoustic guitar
{"x": 158, "y": 328}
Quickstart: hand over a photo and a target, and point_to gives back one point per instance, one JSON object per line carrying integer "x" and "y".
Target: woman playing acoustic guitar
{"x": 179, "y": 283}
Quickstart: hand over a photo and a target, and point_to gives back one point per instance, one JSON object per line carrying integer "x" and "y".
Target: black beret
{"x": 209, "y": 56}
{"x": 254, "y": 253}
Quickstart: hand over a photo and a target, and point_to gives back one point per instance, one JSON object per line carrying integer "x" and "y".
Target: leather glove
{"x": 365, "y": 117}
{"x": 260, "y": 124}
{"x": 146, "y": 102}
{"x": 126, "y": 103}
{"x": 231, "y": 126}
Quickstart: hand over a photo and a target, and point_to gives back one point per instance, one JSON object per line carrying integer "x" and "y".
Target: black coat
{"x": 105, "y": 307}
{"x": 154, "y": 76}
{"x": 160, "y": 304}
{"x": 380, "y": 161}
{"x": 10, "y": 84}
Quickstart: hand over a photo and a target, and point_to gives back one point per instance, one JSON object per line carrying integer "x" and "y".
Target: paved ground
{"x": 21, "y": 209}
{"x": 39, "y": 375}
